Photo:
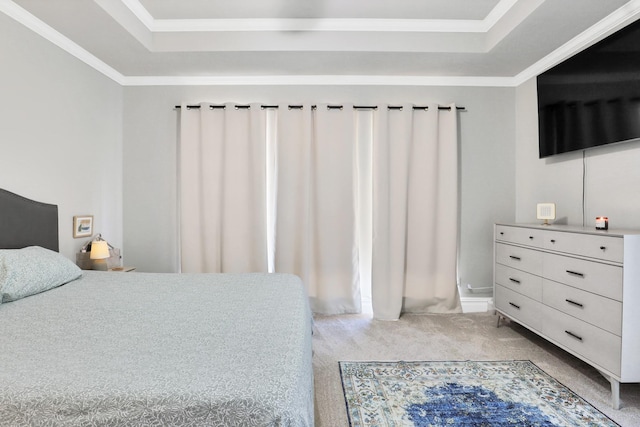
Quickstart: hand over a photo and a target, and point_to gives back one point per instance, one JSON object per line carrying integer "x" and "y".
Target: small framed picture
{"x": 82, "y": 226}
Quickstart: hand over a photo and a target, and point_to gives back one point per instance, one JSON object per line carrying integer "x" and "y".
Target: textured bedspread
{"x": 159, "y": 349}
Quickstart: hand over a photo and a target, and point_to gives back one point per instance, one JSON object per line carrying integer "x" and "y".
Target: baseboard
{"x": 469, "y": 305}
{"x": 476, "y": 304}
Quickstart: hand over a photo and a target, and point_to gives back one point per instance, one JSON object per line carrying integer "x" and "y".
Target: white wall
{"x": 612, "y": 175}
{"x": 487, "y": 152}
{"x": 60, "y": 133}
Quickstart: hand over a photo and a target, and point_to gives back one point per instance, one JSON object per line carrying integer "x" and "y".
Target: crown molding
{"x": 28, "y": 20}
{"x": 140, "y": 12}
{"x": 318, "y": 80}
{"x": 606, "y": 26}
{"x": 621, "y": 17}
{"x": 39, "y": 27}
{"x": 498, "y": 12}
{"x": 320, "y": 24}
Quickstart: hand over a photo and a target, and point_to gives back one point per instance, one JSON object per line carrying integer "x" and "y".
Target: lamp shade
{"x": 99, "y": 250}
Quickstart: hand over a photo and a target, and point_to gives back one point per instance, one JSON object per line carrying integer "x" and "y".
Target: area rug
{"x": 467, "y": 393}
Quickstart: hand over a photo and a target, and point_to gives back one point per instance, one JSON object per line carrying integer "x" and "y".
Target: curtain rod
{"x": 330, "y": 107}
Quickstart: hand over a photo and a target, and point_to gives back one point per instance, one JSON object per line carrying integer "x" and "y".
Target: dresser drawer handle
{"x": 517, "y": 258}
{"x": 502, "y": 233}
{"x": 603, "y": 248}
{"x": 579, "y": 338}
{"x": 530, "y": 237}
{"x": 514, "y": 280}
{"x": 553, "y": 240}
{"x": 575, "y": 273}
{"x": 577, "y": 304}
{"x": 514, "y": 305}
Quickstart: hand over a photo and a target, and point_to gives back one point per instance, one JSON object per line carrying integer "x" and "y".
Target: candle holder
{"x": 602, "y": 223}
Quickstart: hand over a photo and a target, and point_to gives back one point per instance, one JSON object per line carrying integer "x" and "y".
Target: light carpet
{"x": 471, "y": 336}
{"x": 461, "y": 393}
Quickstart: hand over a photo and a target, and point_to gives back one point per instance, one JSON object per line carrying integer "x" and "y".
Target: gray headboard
{"x": 25, "y": 222}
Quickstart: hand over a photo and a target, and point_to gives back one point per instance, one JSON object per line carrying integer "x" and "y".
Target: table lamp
{"x": 99, "y": 254}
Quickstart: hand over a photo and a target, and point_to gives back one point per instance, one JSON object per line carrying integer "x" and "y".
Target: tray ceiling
{"x": 301, "y": 41}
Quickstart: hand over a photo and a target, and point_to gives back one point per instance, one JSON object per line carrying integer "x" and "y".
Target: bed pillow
{"x": 32, "y": 270}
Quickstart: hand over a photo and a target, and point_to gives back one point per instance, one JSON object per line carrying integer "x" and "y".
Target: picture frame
{"x": 82, "y": 226}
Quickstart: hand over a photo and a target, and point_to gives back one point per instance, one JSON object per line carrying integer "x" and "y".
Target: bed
{"x": 136, "y": 349}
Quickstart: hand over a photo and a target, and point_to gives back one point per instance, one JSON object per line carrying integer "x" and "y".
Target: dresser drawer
{"x": 520, "y": 235}
{"x": 529, "y": 260}
{"x": 592, "y": 343}
{"x": 594, "y": 309}
{"x": 603, "y": 247}
{"x": 591, "y": 276}
{"x": 518, "y": 307}
{"x": 519, "y": 281}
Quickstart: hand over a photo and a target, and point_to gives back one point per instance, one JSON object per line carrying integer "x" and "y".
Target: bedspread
{"x": 159, "y": 349}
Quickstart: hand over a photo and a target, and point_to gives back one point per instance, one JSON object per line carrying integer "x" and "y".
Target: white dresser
{"x": 577, "y": 287}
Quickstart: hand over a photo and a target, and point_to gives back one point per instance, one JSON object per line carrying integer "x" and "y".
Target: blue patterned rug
{"x": 506, "y": 393}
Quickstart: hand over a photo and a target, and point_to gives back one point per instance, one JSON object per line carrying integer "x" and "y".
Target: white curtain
{"x": 333, "y": 195}
{"x": 415, "y": 211}
{"x": 315, "y": 234}
{"x": 222, "y": 189}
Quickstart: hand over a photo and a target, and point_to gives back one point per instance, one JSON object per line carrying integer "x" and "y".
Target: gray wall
{"x": 487, "y": 167}
{"x": 612, "y": 175}
{"x": 60, "y": 133}
{"x": 71, "y": 136}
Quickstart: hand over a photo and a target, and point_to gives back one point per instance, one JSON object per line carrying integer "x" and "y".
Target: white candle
{"x": 602, "y": 223}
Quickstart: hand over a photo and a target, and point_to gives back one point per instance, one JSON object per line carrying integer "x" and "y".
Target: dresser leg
{"x": 499, "y": 317}
{"x": 615, "y": 390}
{"x": 615, "y": 393}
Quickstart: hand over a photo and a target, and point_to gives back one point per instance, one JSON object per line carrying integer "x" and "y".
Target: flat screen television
{"x": 592, "y": 98}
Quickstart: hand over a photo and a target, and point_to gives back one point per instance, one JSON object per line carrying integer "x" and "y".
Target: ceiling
{"x": 472, "y": 42}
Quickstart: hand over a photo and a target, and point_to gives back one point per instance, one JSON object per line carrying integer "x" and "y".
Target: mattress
{"x": 159, "y": 349}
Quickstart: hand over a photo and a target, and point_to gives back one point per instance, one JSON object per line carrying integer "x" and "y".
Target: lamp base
{"x": 100, "y": 264}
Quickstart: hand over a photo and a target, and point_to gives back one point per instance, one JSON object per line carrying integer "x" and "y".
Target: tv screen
{"x": 593, "y": 98}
